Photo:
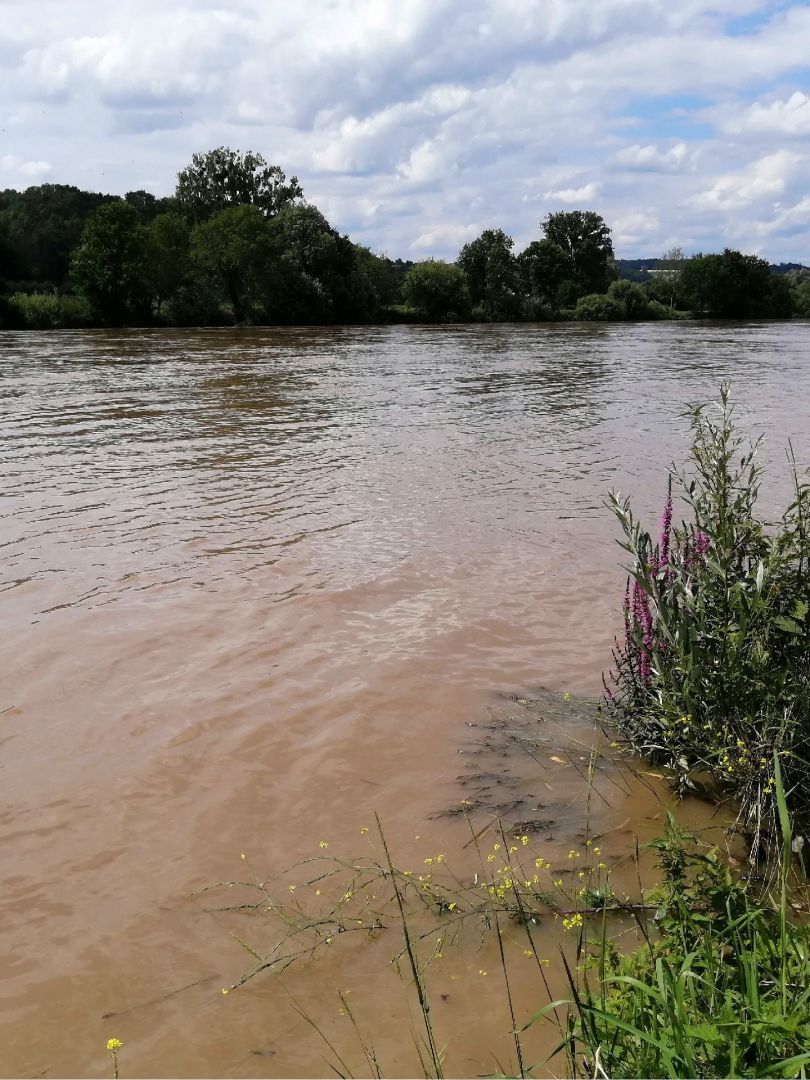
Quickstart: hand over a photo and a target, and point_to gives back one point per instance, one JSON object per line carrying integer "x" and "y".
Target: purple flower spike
{"x": 666, "y": 527}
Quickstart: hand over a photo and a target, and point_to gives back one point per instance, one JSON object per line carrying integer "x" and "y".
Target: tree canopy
{"x": 109, "y": 264}
{"x": 222, "y": 178}
{"x": 733, "y": 285}
{"x": 437, "y": 290}
{"x": 584, "y": 239}
{"x": 492, "y": 277}
{"x": 239, "y": 244}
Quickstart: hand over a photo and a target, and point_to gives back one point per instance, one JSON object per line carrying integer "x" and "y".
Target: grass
{"x": 713, "y": 676}
{"x": 48, "y": 311}
{"x": 720, "y": 986}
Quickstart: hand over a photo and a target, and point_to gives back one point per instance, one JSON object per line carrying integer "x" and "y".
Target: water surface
{"x": 255, "y": 584}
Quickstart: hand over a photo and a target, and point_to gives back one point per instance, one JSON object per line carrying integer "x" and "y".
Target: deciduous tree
{"x": 108, "y": 266}
{"x": 584, "y": 239}
{"x": 224, "y": 178}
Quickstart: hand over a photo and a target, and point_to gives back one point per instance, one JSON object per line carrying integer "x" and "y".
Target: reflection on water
{"x": 254, "y": 586}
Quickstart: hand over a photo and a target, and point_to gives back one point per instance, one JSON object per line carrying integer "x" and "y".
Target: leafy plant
{"x": 719, "y": 988}
{"x": 713, "y": 675}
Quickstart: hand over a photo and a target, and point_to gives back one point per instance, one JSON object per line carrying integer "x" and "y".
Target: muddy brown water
{"x": 256, "y": 587}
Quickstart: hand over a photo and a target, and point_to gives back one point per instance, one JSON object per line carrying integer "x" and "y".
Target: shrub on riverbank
{"x": 713, "y": 675}
{"x": 47, "y": 311}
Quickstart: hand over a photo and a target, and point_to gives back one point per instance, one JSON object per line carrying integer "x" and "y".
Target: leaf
{"x": 784, "y": 622}
{"x": 706, "y": 1033}
{"x": 800, "y": 610}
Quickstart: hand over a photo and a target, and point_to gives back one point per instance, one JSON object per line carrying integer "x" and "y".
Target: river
{"x": 256, "y": 585}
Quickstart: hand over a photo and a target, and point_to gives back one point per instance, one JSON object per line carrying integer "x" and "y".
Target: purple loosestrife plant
{"x": 713, "y": 675}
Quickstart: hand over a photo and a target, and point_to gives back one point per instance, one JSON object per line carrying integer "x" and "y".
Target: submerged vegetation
{"x": 238, "y": 243}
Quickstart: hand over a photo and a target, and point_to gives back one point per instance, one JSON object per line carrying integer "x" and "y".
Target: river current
{"x": 255, "y": 586}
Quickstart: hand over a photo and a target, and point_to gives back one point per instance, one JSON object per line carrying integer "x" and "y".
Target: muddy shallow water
{"x": 255, "y": 587}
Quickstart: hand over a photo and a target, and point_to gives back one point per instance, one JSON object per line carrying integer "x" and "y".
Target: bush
{"x": 713, "y": 675}
{"x": 632, "y": 298}
{"x": 597, "y": 307}
{"x": 438, "y": 291}
{"x": 48, "y": 311}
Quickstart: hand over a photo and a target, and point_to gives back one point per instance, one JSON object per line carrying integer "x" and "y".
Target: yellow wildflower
{"x": 323, "y": 843}
{"x": 571, "y": 921}
{"x": 114, "y": 1045}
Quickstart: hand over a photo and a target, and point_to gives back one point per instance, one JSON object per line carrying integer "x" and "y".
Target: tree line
{"x": 237, "y": 243}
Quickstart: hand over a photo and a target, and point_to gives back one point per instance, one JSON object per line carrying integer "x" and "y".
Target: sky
{"x": 415, "y": 124}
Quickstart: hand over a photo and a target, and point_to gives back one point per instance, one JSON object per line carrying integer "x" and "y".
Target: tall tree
{"x": 543, "y": 268}
{"x": 584, "y": 239}
{"x": 108, "y": 266}
{"x": 491, "y": 272}
{"x": 236, "y": 252}
{"x": 223, "y": 178}
{"x": 166, "y": 262}
{"x": 668, "y": 278}
{"x": 326, "y": 265}
{"x": 734, "y": 286}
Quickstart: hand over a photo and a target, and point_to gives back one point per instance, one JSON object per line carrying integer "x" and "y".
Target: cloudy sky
{"x": 414, "y": 124}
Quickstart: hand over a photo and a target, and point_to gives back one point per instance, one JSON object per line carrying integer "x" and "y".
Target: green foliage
{"x": 437, "y": 290}
{"x": 713, "y": 677}
{"x": 47, "y": 311}
{"x": 733, "y": 286}
{"x": 584, "y": 239}
{"x": 542, "y": 267}
{"x": 43, "y": 226}
{"x": 384, "y": 276}
{"x": 801, "y": 299}
{"x": 166, "y": 257}
{"x": 632, "y": 298}
{"x": 492, "y": 275}
{"x": 720, "y": 988}
{"x": 598, "y": 307}
{"x": 225, "y": 178}
{"x": 321, "y": 279}
{"x": 108, "y": 265}
{"x": 235, "y": 251}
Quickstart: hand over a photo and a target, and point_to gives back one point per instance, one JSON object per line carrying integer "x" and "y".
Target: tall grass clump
{"x": 712, "y": 677}
{"x": 48, "y": 311}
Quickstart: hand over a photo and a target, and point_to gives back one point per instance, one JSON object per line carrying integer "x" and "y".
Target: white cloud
{"x": 650, "y": 158}
{"x": 29, "y": 170}
{"x": 412, "y": 122}
{"x": 585, "y": 193}
{"x": 766, "y": 178}
{"x": 630, "y": 229}
{"x": 782, "y": 118}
